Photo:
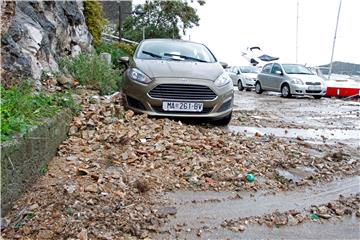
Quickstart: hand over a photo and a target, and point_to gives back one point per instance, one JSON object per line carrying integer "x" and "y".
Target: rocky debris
{"x": 164, "y": 212}
{"x": 39, "y": 34}
{"x": 105, "y": 176}
{"x": 292, "y": 217}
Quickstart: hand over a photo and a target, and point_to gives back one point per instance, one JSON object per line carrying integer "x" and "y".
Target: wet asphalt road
{"x": 317, "y": 121}
{"x": 335, "y": 121}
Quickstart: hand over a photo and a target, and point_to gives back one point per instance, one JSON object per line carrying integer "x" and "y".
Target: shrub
{"x": 129, "y": 49}
{"x": 21, "y": 108}
{"x": 94, "y": 19}
{"x": 92, "y": 71}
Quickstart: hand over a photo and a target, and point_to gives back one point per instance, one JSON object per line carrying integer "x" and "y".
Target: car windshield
{"x": 296, "y": 69}
{"x": 249, "y": 69}
{"x": 174, "y": 50}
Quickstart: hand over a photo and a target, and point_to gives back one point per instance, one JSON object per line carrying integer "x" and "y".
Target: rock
{"x": 164, "y": 212}
{"x": 33, "y": 207}
{"x": 339, "y": 211}
{"x": 39, "y": 34}
{"x": 73, "y": 130}
{"x": 280, "y": 219}
{"x": 82, "y": 172}
{"x": 358, "y": 213}
{"x": 93, "y": 188}
{"x": 65, "y": 79}
{"x": 239, "y": 228}
{"x": 72, "y": 158}
{"x": 323, "y": 209}
{"x": 4, "y": 223}
{"x": 45, "y": 234}
{"x": 83, "y": 235}
{"x": 324, "y": 216}
{"x": 70, "y": 188}
{"x": 347, "y": 211}
{"x": 141, "y": 185}
{"x": 292, "y": 221}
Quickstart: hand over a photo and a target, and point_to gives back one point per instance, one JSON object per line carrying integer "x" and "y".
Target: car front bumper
{"x": 138, "y": 99}
{"x": 249, "y": 83}
{"x": 297, "y": 89}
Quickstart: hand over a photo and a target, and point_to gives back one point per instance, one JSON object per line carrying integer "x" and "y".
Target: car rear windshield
{"x": 249, "y": 69}
{"x": 296, "y": 69}
{"x": 174, "y": 50}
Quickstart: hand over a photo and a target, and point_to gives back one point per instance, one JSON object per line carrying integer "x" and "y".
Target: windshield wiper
{"x": 154, "y": 55}
{"x": 184, "y": 56}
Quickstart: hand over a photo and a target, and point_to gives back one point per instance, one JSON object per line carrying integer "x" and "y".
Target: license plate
{"x": 182, "y": 106}
{"x": 314, "y": 87}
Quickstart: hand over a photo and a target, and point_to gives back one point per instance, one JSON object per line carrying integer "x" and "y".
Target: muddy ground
{"x": 126, "y": 176}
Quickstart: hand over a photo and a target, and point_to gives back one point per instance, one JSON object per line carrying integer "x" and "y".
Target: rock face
{"x": 39, "y": 34}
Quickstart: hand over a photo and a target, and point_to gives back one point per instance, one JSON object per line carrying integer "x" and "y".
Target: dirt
{"x": 109, "y": 176}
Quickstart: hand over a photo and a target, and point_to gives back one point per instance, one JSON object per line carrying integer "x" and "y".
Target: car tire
{"x": 285, "y": 90}
{"x": 258, "y": 88}
{"x": 248, "y": 89}
{"x": 240, "y": 86}
{"x": 317, "y": 97}
{"x": 223, "y": 121}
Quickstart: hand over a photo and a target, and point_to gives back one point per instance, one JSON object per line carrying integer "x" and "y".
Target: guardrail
{"x": 109, "y": 37}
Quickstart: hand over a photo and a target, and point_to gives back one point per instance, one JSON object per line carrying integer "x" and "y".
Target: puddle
{"x": 313, "y": 135}
{"x": 197, "y": 209}
{"x": 295, "y": 174}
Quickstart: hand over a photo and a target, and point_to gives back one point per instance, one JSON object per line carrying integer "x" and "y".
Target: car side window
{"x": 275, "y": 68}
{"x": 266, "y": 68}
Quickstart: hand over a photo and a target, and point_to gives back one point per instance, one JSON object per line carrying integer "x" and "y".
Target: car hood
{"x": 307, "y": 78}
{"x": 179, "y": 69}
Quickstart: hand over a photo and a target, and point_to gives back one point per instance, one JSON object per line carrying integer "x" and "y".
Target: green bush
{"x": 94, "y": 19}
{"x": 92, "y": 71}
{"x": 21, "y": 108}
{"x": 129, "y": 49}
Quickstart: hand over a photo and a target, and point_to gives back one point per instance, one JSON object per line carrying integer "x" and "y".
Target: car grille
{"x": 313, "y": 91}
{"x": 160, "y": 110}
{"x": 313, "y": 83}
{"x": 182, "y": 92}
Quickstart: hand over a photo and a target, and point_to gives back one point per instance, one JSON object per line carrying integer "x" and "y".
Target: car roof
{"x": 168, "y": 40}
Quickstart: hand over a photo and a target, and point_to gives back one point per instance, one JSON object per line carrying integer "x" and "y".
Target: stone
{"x": 39, "y": 33}
{"x": 324, "y": 216}
{"x": 292, "y": 221}
{"x": 164, "y": 212}
{"x": 93, "y": 188}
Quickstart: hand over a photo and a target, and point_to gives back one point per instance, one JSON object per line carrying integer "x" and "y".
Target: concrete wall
{"x": 22, "y": 159}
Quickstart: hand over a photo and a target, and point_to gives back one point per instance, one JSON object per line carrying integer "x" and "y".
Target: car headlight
{"x": 222, "y": 80}
{"x": 297, "y": 81}
{"x": 136, "y": 75}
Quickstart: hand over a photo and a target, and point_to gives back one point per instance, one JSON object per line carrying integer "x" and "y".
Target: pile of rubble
{"x": 107, "y": 175}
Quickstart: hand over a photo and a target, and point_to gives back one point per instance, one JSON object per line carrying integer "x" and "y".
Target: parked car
{"x": 177, "y": 78}
{"x": 290, "y": 79}
{"x": 244, "y": 77}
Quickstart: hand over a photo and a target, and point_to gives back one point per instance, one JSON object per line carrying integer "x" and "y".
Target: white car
{"x": 244, "y": 77}
{"x": 290, "y": 79}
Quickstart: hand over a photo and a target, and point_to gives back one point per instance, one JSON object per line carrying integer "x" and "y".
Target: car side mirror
{"x": 277, "y": 72}
{"x": 125, "y": 60}
{"x": 224, "y": 65}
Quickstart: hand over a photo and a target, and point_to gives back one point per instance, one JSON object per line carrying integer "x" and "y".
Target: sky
{"x": 228, "y": 27}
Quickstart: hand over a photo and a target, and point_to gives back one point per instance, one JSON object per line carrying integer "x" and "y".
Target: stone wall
{"x": 23, "y": 159}
{"x": 38, "y": 34}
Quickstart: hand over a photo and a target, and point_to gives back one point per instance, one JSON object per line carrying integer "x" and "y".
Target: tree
{"x": 161, "y": 19}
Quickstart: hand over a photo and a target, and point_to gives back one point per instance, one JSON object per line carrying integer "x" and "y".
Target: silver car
{"x": 290, "y": 79}
{"x": 244, "y": 77}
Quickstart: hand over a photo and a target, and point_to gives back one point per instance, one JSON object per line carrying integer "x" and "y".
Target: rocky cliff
{"x": 36, "y": 34}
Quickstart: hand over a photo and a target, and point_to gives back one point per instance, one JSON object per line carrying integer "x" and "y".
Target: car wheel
{"x": 223, "y": 121}
{"x": 258, "y": 88}
{"x": 317, "y": 97}
{"x": 285, "y": 90}
{"x": 240, "y": 86}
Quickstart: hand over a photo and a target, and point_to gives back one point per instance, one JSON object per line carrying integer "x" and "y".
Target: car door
{"x": 233, "y": 75}
{"x": 265, "y": 76}
{"x": 277, "y": 77}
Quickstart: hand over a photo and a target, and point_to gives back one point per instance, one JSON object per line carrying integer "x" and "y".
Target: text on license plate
{"x": 314, "y": 87}
{"x": 182, "y": 106}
